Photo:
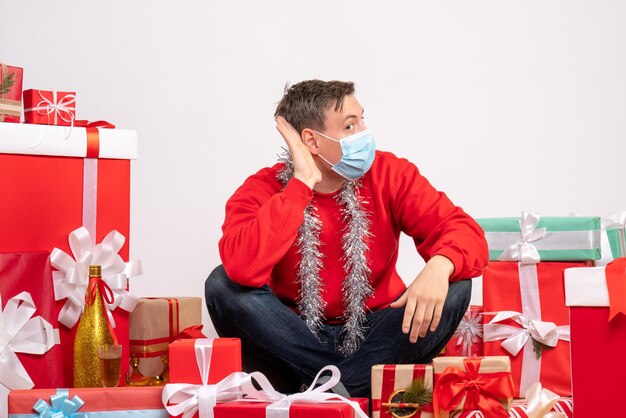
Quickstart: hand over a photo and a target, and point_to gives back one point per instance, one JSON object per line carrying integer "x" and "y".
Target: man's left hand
{"x": 425, "y": 297}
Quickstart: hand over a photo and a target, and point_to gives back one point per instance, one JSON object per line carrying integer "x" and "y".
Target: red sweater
{"x": 262, "y": 224}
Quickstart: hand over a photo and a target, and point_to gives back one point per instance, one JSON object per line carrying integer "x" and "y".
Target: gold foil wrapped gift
{"x": 154, "y": 324}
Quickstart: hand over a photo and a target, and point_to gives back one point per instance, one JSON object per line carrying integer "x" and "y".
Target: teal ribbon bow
{"x": 60, "y": 406}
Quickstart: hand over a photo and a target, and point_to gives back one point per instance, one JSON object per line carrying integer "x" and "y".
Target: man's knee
{"x": 459, "y": 294}
{"x": 216, "y": 286}
{"x": 457, "y": 301}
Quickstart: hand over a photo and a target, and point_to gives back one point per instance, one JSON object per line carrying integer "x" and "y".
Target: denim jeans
{"x": 277, "y": 342}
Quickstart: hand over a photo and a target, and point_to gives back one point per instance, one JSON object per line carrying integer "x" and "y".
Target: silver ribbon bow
{"x": 523, "y": 250}
{"x": 469, "y": 331}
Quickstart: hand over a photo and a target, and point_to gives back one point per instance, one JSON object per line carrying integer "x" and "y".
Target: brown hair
{"x": 303, "y": 104}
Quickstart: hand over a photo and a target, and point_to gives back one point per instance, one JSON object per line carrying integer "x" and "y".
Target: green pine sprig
{"x": 539, "y": 348}
{"x": 416, "y": 392}
{"x": 7, "y": 83}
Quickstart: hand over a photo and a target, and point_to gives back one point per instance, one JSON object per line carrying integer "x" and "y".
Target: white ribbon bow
{"x": 515, "y": 338}
{"x": 468, "y": 332}
{"x": 62, "y": 109}
{"x": 20, "y": 332}
{"x": 281, "y": 402}
{"x": 72, "y": 279}
{"x": 540, "y": 401}
{"x": 523, "y": 250}
{"x": 617, "y": 221}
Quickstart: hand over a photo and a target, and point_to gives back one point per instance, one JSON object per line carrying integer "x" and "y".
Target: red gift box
{"x": 135, "y": 402}
{"x": 190, "y": 359}
{"x": 535, "y": 292}
{"x": 388, "y": 379}
{"x": 10, "y": 93}
{"x": 45, "y": 107}
{"x": 467, "y": 340}
{"x": 238, "y": 409}
{"x": 25, "y": 279}
{"x": 31, "y": 272}
{"x": 225, "y": 359}
{"x": 42, "y": 196}
{"x": 519, "y": 408}
{"x": 598, "y": 342}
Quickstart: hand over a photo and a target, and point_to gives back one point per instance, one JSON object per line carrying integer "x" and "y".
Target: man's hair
{"x": 303, "y": 104}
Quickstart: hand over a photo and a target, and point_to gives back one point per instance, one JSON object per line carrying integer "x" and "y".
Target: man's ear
{"x": 308, "y": 138}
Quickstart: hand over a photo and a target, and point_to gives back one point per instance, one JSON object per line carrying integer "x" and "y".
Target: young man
{"x": 309, "y": 252}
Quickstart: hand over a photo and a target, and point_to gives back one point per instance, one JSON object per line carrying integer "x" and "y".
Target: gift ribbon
{"x": 523, "y": 250}
{"x": 540, "y": 402}
{"x": 481, "y": 391}
{"x": 63, "y": 109}
{"x": 72, "y": 278}
{"x": 90, "y": 174}
{"x": 515, "y": 338}
{"x": 21, "y": 332}
{"x": 615, "y": 273}
{"x": 93, "y": 124}
{"x": 468, "y": 332}
{"x": 280, "y": 403}
{"x": 531, "y": 327}
{"x": 60, "y": 406}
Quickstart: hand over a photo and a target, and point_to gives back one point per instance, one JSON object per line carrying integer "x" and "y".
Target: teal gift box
{"x": 533, "y": 238}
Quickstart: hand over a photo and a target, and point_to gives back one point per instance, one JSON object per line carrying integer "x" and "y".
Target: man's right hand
{"x": 304, "y": 166}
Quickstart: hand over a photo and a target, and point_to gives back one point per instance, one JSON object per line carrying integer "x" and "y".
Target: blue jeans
{"x": 277, "y": 342}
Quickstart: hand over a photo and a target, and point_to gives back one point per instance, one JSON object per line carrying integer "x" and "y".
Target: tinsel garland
{"x": 356, "y": 287}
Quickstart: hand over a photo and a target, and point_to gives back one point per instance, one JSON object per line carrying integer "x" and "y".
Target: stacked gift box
{"x": 64, "y": 190}
{"x": 65, "y": 205}
{"x": 523, "y": 292}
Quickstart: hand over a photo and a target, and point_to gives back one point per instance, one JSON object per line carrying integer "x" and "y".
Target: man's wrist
{"x": 309, "y": 182}
{"x": 443, "y": 263}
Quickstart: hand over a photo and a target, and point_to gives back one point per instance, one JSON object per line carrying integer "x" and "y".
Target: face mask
{"x": 357, "y": 154}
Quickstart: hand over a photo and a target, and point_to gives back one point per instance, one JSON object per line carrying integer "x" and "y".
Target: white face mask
{"x": 357, "y": 154}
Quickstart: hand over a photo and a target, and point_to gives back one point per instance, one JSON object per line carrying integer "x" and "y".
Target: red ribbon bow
{"x": 192, "y": 332}
{"x": 481, "y": 391}
{"x": 615, "y": 273}
{"x": 106, "y": 294}
{"x": 95, "y": 124}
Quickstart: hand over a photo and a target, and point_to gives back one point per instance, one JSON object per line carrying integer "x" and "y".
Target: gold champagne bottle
{"x": 93, "y": 331}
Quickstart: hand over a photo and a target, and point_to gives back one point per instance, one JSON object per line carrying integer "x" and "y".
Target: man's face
{"x": 338, "y": 125}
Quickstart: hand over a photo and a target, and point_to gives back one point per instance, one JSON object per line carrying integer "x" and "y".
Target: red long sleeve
{"x": 435, "y": 223}
{"x": 262, "y": 224}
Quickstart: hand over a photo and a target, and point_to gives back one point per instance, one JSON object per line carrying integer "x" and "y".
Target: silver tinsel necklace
{"x": 356, "y": 287}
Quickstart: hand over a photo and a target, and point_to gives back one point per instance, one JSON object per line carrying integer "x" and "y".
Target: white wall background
{"x": 504, "y": 105}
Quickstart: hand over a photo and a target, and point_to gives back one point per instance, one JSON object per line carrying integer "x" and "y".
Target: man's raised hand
{"x": 304, "y": 166}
